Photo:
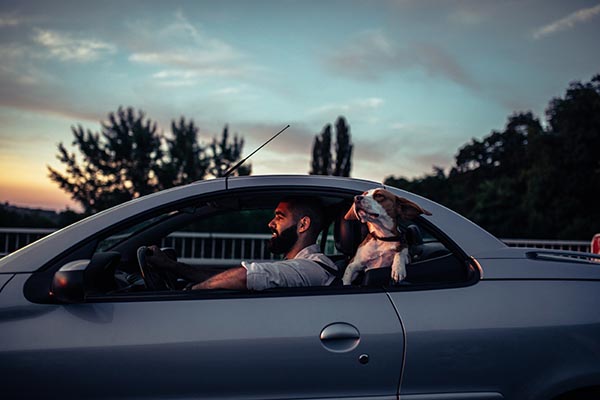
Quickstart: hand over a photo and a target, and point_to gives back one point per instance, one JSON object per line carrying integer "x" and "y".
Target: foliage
{"x": 527, "y": 180}
{"x": 343, "y": 148}
{"x": 225, "y": 154}
{"x": 13, "y": 216}
{"x": 119, "y": 164}
{"x": 187, "y": 161}
{"x": 321, "y": 156}
{"x": 130, "y": 158}
{"x": 322, "y": 162}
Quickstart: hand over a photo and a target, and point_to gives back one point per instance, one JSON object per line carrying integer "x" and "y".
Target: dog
{"x": 380, "y": 209}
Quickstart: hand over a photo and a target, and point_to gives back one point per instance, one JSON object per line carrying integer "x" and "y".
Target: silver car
{"x": 474, "y": 319}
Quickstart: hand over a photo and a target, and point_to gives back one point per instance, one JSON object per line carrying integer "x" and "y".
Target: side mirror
{"x": 67, "y": 284}
{"x": 76, "y": 279}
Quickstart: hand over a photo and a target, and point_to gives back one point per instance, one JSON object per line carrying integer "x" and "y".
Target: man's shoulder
{"x": 313, "y": 253}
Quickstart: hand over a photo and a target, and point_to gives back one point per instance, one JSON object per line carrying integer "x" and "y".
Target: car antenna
{"x": 236, "y": 166}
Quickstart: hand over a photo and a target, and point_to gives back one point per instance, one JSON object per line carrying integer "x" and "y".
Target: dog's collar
{"x": 396, "y": 238}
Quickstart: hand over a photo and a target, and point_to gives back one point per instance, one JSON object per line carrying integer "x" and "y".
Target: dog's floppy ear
{"x": 351, "y": 214}
{"x": 406, "y": 209}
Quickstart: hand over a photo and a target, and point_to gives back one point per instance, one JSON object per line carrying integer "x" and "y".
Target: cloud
{"x": 467, "y": 17}
{"x": 227, "y": 91}
{"x": 176, "y": 78}
{"x": 9, "y": 21}
{"x": 297, "y": 139}
{"x": 371, "y": 55}
{"x": 353, "y": 107}
{"x": 366, "y": 57}
{"x": 65, "y": 47}
{"x": 403, "y": 149}
{"x": 186, "y": 51}
{"x": 568, "y": 22}
{"x": 289, "y": 153}
{"x": 26, "y": 85}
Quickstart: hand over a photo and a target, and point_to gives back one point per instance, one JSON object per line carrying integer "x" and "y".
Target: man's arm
{"x": 159, "y": 260}
{"x": 234, "y": 278}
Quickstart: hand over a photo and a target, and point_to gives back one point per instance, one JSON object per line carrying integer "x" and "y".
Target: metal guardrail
{"x": 218, "y": 248}
{"x": 12, "y": 239}
{"x": 231, "y": 246}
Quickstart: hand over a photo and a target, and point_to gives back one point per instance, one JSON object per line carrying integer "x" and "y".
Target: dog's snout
{"x": 358, "y": 198}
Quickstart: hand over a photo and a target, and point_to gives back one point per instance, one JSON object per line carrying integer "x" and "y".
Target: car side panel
{"x": 253, "y": 348}
{"x": 523, "y": 339}
{"x": 4, "y": 278}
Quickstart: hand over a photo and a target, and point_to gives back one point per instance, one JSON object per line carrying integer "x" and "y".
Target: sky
{"x": 415, "y": 79}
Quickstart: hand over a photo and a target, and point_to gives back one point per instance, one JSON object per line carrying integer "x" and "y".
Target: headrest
{"x": 348, "y": 235}
{"x": 413, "y": 235}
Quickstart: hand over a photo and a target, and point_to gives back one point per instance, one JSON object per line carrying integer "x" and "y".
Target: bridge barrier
{"x": 233, "y": 246}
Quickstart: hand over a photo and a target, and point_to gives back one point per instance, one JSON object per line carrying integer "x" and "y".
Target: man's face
{"x": 283, "y": 227}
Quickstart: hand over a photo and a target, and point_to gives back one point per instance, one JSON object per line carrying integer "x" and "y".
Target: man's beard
{"x": 283, "y": 242}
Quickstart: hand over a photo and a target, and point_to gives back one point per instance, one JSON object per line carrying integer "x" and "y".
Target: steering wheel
{"x": 154, "y": 279}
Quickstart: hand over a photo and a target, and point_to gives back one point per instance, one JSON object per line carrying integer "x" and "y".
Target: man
{"x": 295, "y": 227}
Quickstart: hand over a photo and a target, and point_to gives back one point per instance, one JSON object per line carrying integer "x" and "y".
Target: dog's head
{"x": 379, "y": 206}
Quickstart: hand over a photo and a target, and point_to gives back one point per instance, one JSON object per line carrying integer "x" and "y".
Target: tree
{"x": 566, "y": 176}
{"x": 494, "y": 172}
{"x": 130, "y": 158}
{"x": 187, "y": 160}
{"x": 224, "y": 154}
{"x": 343, "y": 149}
{"x": 528, "y": 181}
{"x": 321, "y": 159}
{"x": 119, "y": 164}
{"x": 322, "y": 162}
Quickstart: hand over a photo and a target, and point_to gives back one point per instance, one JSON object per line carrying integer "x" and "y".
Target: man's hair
{"x": 311, "y": 207}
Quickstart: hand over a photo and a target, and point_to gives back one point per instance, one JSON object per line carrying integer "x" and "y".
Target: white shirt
{"x": 299, "y": 271}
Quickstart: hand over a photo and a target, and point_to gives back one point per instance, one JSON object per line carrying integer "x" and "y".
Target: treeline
{"x": 130, "y": 158}
{"x": 530, "y": 180}
{"x": 13, "y": 216}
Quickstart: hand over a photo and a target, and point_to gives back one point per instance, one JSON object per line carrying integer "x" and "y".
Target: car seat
{"x": 347, "y": 234}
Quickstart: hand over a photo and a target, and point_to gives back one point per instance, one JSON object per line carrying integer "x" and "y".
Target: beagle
{"x": 379, "y": 209}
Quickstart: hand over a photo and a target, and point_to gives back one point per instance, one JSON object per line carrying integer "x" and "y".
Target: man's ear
{"x": 406, "y": 209}
{"x": 351, "y": 214}
{"x": 303, "y": 224}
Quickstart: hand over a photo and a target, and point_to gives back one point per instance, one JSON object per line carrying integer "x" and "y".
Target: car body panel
{"x": 516, "y": 264}
{"x": 4, "y": 278}
{"x": 474, "y": 338}
{"x": 250, "y": 347}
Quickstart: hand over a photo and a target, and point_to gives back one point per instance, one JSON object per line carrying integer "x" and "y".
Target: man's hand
{"x": 158, "y": 259}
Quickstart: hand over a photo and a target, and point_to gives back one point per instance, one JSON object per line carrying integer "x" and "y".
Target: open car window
{"x": 217, "y": 234}
{"x": 222, "y": 238}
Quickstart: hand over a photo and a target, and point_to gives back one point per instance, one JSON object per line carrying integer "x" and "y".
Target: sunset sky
{"x": 415, "y": 79}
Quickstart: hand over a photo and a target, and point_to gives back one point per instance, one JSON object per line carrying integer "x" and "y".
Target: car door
{"x": 307, "y": 344}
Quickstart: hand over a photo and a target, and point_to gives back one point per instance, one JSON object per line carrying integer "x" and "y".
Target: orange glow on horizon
{"x": 36, "y": 195}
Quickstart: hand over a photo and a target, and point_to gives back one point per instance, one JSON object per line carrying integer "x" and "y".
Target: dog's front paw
{"x": 399, "y": 266}
{"x": 397, "y": 276}
{"x": 348, "y": 277}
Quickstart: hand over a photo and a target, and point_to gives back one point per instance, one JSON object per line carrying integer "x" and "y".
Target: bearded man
{"x": 295, "y": 227}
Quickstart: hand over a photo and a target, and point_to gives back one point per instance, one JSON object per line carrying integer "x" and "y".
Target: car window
{"x": 121, "y": 235}
{"x": 224, "y": 238}
{"x": 216, "y": 235}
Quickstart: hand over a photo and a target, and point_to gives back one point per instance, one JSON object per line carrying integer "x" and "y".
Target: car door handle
{"x": 340, "y": 337}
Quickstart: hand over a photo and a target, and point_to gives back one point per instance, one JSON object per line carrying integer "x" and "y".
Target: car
{"x": 474, "y": 319}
